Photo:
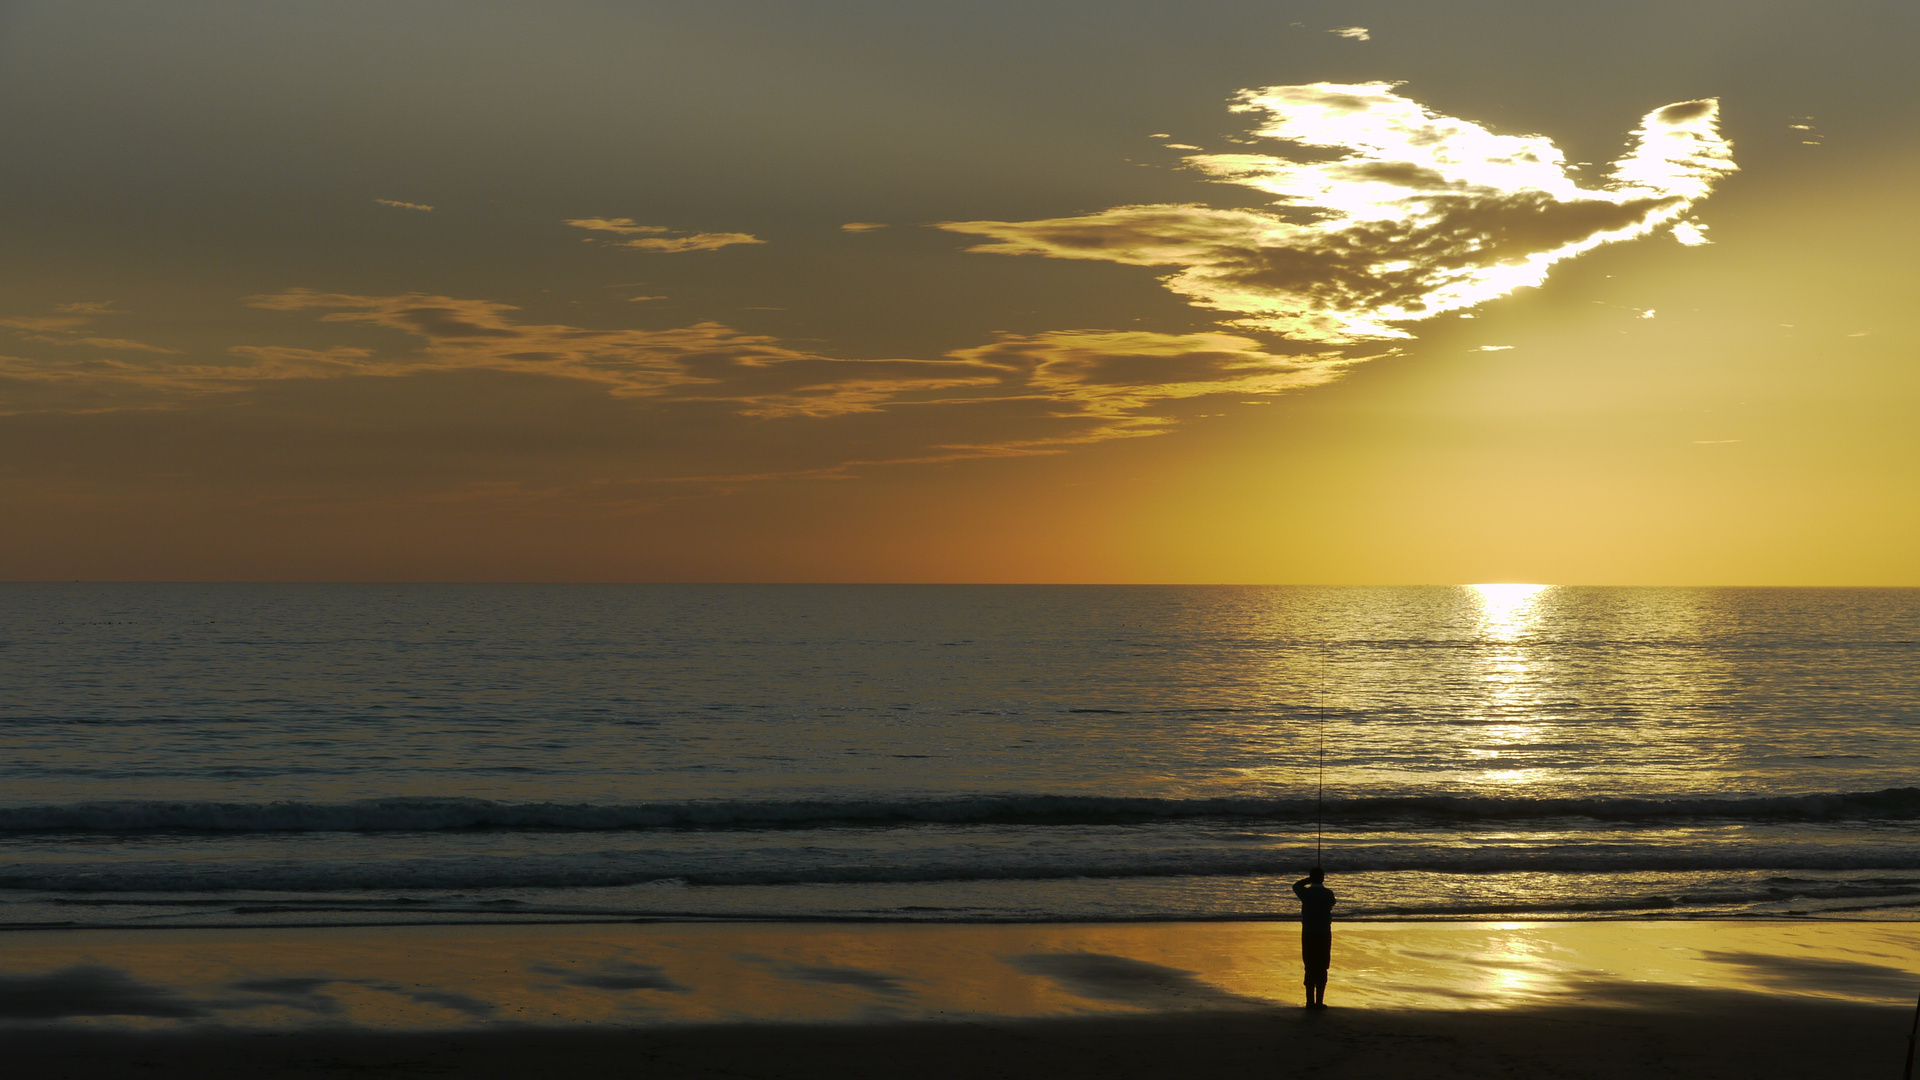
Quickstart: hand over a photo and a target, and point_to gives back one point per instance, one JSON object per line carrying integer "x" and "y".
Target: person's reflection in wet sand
{"x": 1316, "y": 933}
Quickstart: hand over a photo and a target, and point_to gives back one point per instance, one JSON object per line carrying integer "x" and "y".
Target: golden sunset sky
{"x": 889, "y": 290}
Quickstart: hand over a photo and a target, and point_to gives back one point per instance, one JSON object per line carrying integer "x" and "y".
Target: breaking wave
{"x": 602, "y": 870}
{"x": 414, "y": 814}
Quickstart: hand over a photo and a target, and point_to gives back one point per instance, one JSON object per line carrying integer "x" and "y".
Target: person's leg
{"x": 1316, "y": 951}
{"x": 1307, "y": 950}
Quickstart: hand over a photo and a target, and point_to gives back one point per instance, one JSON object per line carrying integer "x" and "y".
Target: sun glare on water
{"x": 1506, "y": 609}
{"x": 1508, "y": 612}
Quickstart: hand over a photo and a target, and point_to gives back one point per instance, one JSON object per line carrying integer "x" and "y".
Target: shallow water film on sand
{"x": 240, "y": 755}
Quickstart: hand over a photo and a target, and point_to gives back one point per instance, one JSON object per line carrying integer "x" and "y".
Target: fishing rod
{"x": 1320, "y": 801}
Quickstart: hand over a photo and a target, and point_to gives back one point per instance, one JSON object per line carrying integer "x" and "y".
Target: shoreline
{"x": 1792, "y": 918}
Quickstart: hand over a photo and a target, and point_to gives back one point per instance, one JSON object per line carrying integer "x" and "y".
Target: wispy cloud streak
{"x": 1020, "y": 394}
{"x": 67, "y": 328}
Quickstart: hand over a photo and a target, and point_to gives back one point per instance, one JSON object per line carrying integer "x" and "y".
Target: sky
{"x": 902, "y": 290}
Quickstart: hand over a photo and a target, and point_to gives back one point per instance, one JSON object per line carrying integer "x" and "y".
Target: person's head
{"x": 1316, "y": 875}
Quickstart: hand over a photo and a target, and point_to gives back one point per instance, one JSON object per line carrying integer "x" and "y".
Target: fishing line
{"x": 1320, "y": 802}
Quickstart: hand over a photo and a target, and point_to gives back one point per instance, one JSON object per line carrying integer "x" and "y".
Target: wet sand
{"x": 1132, "y": 1000}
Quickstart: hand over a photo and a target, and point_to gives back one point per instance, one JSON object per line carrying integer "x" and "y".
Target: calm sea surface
{"x": 265, "y": 754}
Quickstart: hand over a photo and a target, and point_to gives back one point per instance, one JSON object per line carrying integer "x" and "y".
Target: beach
{"x": 1561, "y": 999}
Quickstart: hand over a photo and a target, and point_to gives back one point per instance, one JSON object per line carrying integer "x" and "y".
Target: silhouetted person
{"x": 1316, "y": 933}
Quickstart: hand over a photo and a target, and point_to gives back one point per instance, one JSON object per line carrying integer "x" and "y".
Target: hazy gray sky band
{"x": 1417, "y": 214}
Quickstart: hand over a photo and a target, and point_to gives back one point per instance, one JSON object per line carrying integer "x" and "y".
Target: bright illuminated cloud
{"x": 1353, "y": 33}
{"x": 402, "y": 205}
{"x": 1690, "y": 233}
{"x": 657, "y": 238}
{"x": 1419, "y": 213}
{"x": 863, "y": 226}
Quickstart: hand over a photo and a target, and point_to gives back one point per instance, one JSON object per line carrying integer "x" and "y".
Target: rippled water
{"x": 244, "y": 754}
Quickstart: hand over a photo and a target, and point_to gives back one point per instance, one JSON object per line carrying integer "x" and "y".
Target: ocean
{"x": 274, "y": 755}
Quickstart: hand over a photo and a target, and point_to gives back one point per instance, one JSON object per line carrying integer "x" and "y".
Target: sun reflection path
{"x": 1508, "y": 612}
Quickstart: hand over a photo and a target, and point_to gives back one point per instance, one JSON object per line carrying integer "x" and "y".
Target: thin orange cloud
{"x": 65, "y": 328}
{"x": 43, "y": 323}
{"x": 1020, "y": 394}
{"x": 623, "y": 226}
{"x": 124, "y": 344}
{"x": 1123, "y": 372}
{"x": 649, "y": 241}
{"x": 705, "y": 241}
{"x": 1102, "y": 372}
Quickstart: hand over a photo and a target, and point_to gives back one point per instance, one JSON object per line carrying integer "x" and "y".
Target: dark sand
{"x": 1669, "y": 1033}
